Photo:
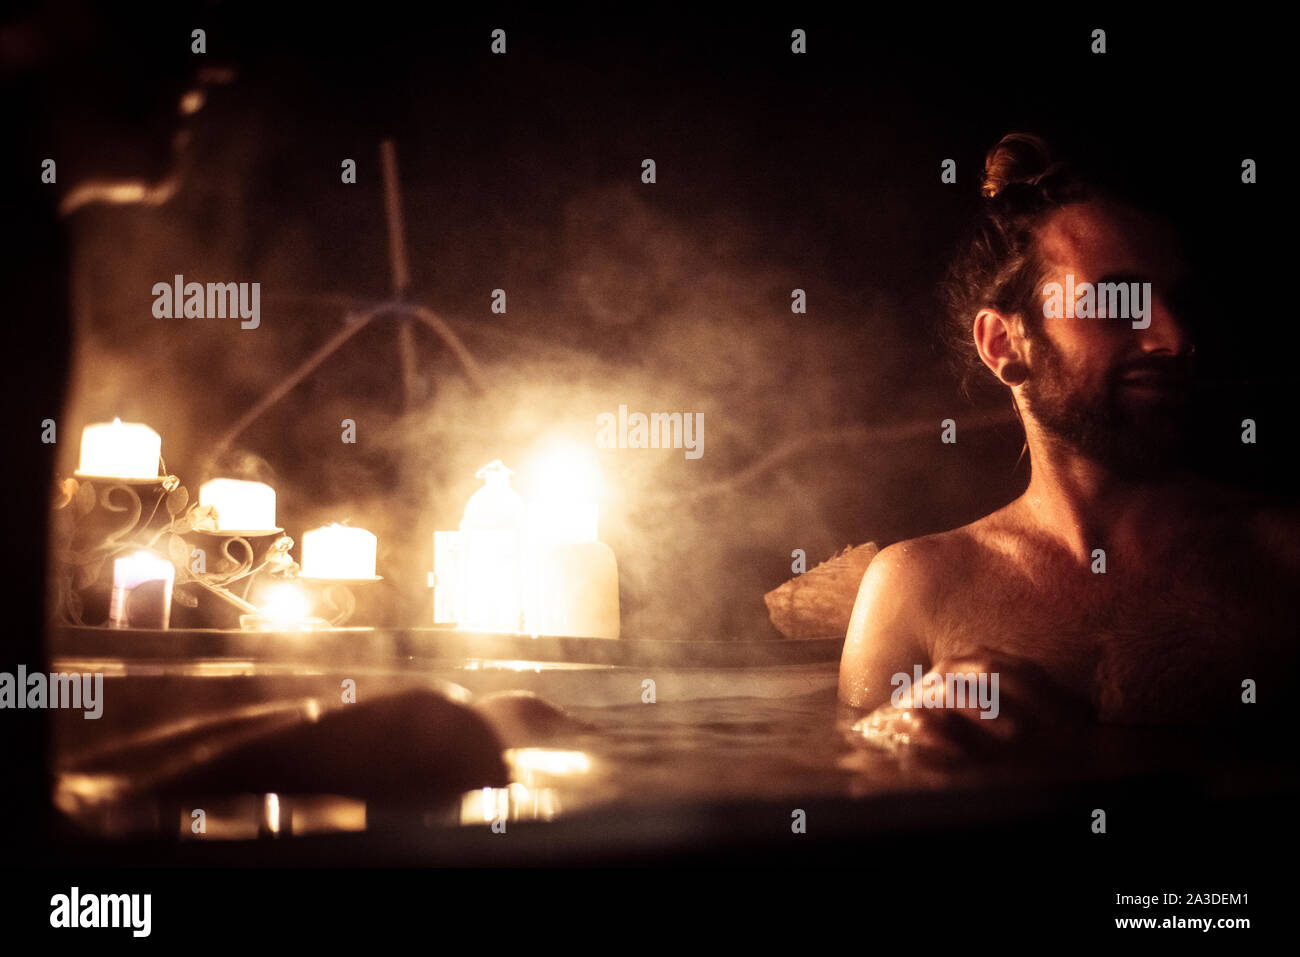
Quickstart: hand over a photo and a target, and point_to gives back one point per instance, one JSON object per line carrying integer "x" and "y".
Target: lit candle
{"x": 563, "y": 522}
{"x": 241, "y": 506}
{"x": 283, "y": 607}
{"x": 575, "y": 591}
{"x": 286, "y": 603}
{"x": 571, "y": 578}
{"x": 120, "y": 449}
{"x": 142, "y": 591}
{"x": 338, "y": 551}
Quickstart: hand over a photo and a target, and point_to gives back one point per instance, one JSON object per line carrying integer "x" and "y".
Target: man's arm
{"x": 891, "y": 631}
{"x": 886, "y": 630}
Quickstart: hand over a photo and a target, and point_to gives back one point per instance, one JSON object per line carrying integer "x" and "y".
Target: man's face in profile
{"x": 1115, "y": 393}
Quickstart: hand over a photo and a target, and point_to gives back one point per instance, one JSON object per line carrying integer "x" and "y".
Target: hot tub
{"x": 739, "y": 753}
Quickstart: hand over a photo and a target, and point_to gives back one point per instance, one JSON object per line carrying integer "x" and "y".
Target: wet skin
{"x": 1200, "y": 587}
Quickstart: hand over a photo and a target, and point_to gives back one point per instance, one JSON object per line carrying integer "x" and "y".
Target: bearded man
{"x": 1118, "y": 588}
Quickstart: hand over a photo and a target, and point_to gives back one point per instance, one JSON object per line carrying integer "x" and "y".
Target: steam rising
{"x": 613, "y": 299}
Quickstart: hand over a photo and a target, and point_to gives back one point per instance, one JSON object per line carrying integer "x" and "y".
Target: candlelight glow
{"x": 514, "y": 802}
{"x": 151, "y": 607}
{"x": 339, "y": 552}
{"x": 241, "y": 506}
{"x": 490, "y": 579}
{"x": 564, "y": 471}
{"x": 488, "y": 598}
{"x": 565, "y": 481}
{"x": 537, "y": 568}
{"x": 271, "y": 813}
{"x": 118, "y": 449}
{"x": 130, "y": 571}
{"x": 526, "y": 762}
{"x": 286, "y": 603}
{"x": 563, "y": 522}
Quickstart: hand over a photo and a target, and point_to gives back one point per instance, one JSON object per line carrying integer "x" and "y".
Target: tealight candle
{"x": 284, "y": 607}
{"x": 339, "y": 551}
{"x": 286, "y": 603}
{"x": 142, "y": 591}
{"x": 118, "y": 449}
{"x": 241, "y": 506}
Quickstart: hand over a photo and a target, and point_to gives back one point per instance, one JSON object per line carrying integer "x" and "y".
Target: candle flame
{"x": 565, "y": 481}
{"x": 564, "y": 472}
{"x": 284, "y": 603}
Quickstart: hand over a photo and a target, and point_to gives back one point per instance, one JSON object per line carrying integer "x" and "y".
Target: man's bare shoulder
{"x": 900, "y": 599}
{"x": 919, "y": 563}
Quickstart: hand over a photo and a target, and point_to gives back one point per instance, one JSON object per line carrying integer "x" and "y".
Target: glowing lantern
{"x": 489, "y": 589}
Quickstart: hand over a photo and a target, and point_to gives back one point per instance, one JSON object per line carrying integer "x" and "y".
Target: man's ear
{"x": 1000, "y": 346}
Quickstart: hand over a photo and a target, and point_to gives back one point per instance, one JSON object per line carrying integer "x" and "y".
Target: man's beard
{"x": 1129, "y": 435}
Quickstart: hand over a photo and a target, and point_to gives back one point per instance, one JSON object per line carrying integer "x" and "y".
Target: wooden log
{"x": 818, "y": 603}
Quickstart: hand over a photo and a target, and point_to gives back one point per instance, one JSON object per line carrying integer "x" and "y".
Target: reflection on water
{"x": 604, "y": 756}
{"x": 104, "y": 805}
{"x": 636, "y": 755}
{"x": 536, "y": 667}
{"x": 512, "y": 803}
{"x": 540, "y": 779}
{"x": 713, "y": 748}
{"x": 532, "y": 766}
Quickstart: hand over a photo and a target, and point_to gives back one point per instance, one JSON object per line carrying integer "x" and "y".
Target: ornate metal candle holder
{"x": 100, "y": 519}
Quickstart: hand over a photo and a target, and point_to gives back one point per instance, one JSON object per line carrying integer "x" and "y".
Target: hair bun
{"x": 1017, "y": 159}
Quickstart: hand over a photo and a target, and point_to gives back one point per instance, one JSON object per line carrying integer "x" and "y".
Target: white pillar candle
{"x": 575, "y": 591}
{"x": 130, "y": 571}
{"x": 563, "y": 522}
{"x": 241, "y": 506}
{"x": 120, "y": 450}
{"x": 338, "y": 551}
{"x": 142, "y": 591}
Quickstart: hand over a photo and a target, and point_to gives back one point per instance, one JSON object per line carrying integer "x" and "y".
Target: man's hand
{"x": 1027, "y": 708}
